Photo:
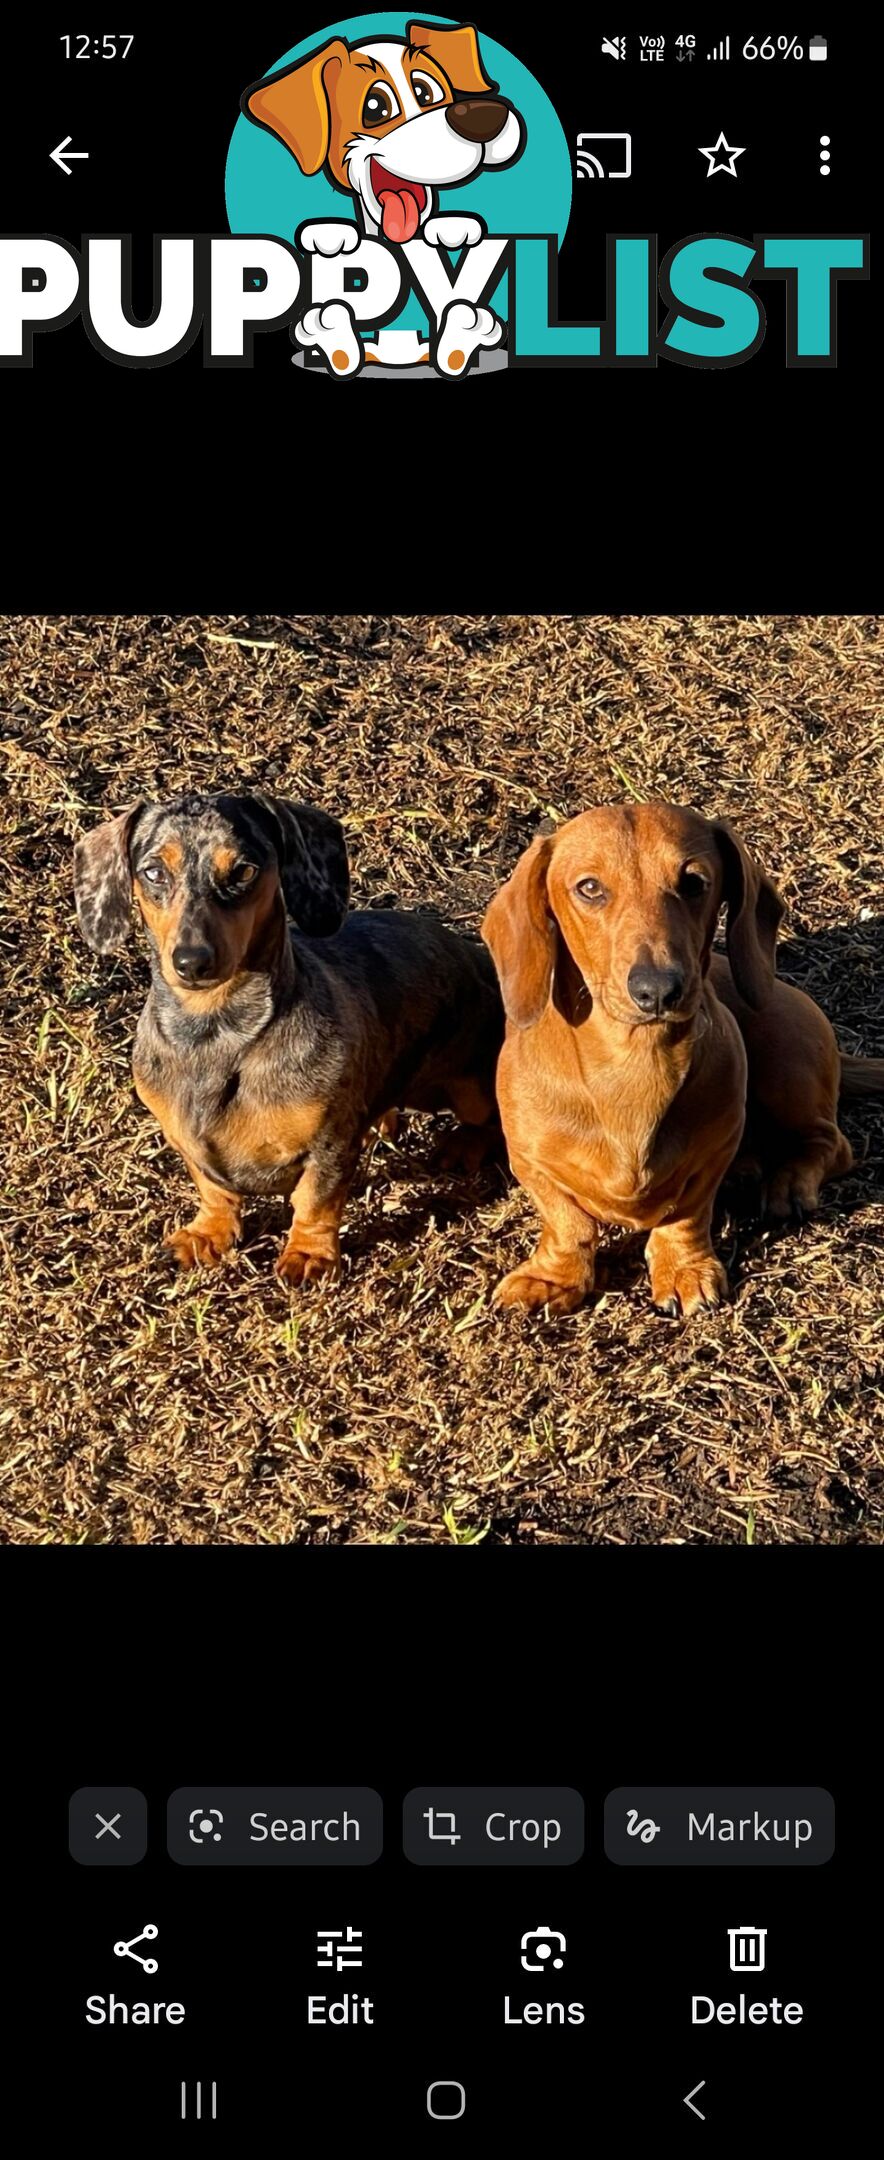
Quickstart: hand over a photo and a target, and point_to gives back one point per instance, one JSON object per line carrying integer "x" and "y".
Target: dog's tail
{"x": 862, "y": 1076}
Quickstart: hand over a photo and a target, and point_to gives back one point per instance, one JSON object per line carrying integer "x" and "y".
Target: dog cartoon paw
{"x": 198, "y": 1244}
{"x": 330, "y": 327}
{"x": 532, "y": 1292}
{"x": 332, "y": 237}
{"x": 464, "y": 329}
{"x": 691, "y": 1289}
{"x": 295, "y": 1267}
{"x": 453, "y": 232}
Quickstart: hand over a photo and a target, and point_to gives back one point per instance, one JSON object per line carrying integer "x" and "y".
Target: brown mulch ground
{"x": 140, "y": 1408}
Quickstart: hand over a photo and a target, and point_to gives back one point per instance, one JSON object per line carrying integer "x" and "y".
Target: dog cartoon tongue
{"x": 402, "y": 203}
{"x": 400, "y": 216}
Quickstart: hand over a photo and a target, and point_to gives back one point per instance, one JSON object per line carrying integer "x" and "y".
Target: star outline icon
{"x": 727, "y": 162}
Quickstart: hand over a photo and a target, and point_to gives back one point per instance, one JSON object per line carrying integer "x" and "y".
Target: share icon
{"x": 127, "y": 1949}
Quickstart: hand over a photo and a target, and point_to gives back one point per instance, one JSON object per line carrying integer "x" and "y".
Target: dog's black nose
{"x": 477, "y": 119}
{"x": 655, "y": 990}
{"x": 193, "y": 962}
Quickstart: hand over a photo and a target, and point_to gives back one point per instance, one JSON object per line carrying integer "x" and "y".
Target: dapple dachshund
{"x": 639, "y": 1066}
{"x": 267, "y": 1048}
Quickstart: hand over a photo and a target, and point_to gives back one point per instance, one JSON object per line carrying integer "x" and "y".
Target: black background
{"x": 589, "y": 1669}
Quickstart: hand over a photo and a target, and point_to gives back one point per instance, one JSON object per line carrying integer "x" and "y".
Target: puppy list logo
{"x": 391, "y": 123}
{"x": 400, "y": 157}
{"x": 397, "y": 195}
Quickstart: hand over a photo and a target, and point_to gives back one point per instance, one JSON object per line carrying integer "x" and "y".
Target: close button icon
{"x": 446, "y": 2100}
{"x": 107, "y": 1826}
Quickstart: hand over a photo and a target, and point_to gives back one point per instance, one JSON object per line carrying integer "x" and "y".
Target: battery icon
{"x": 818, "y": 49}
{"x": 747, "y": 1949}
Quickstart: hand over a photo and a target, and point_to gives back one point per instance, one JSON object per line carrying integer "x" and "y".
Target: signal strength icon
{"x": 720, "y": 52}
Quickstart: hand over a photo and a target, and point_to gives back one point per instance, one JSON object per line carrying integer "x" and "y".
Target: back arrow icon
{"x": 63, "y": 150}
{"x": 689, "y": 2099}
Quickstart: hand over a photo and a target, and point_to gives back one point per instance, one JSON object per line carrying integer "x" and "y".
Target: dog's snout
{"x": 193, "y": 962}
{"x": 655, "y": 990}
{"x": 478, "y": 120}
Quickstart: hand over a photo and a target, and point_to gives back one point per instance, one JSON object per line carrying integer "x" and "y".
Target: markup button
{"x": 719, "y": 1825}
{"x": 493, "y": 1825}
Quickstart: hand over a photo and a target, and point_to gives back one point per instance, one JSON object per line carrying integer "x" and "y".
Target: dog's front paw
{"x": 690, "y": 1289}
{"x": 199, "y": 1244}
{"x": 464, "y": 329}
{"x": 453, "y": 232}
{"x": 793, "y": 1194}
{"x": 532, "y": 1292}
{"x": 332, "y": 237}
{"x": 295, "y": 1266}
{"x": 330, "y": 327}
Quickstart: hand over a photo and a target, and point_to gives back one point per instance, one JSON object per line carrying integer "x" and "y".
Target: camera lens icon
{"x": 205, "y": 1823}
{"x": 543, "y": 1947}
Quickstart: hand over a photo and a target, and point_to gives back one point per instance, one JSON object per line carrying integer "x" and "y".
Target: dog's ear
{"x": 103, "y": 882}
{"x": 754, "y": 914}
{"x": 521, "y": 935}
{"x": 294, "y": 105}
{"x": 313, "y": 867}
{"x": 456, "y": 52}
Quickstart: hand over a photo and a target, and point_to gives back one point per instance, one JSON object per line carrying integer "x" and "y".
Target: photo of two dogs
{"x": 633, "y": 1067}
{"x": 390, "y": 122}
{"x": 504, "y": 1002}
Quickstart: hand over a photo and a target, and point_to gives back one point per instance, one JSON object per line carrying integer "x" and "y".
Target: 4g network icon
{"x": 397, "y": 196}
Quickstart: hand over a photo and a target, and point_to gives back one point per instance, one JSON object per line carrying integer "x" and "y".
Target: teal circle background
{"x": 266, "y": 192}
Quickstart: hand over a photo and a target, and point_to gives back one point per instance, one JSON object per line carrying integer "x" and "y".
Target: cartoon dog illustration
{"x": 390, "y": 121}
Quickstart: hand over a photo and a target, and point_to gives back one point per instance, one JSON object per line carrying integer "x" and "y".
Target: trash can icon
{"x": 818, "y": 49}
{"x": 747, "y": 1949}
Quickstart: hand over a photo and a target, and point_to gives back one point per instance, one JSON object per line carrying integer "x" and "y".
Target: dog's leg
{"x": 214, "y": 1229}
{"x": 313, "y": 1247}
{"x": 793, "y": 1189}
{"x": 463, "y": 331}
{"x": 478, "y": 1138}
{"x": 685, "y": 1274}
{"x": 561, "y": 1272}
{"x": 331, "y": 330}
{"x": 794, "y": 1082}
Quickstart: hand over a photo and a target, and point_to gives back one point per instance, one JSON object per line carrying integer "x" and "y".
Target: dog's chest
{"x": 624, "y": 1161}
{"x": 233, "y": 1124}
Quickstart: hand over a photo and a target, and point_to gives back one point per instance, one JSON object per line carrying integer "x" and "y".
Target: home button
{"x": 446, "y": 2100}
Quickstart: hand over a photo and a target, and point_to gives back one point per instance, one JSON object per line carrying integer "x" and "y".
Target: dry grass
{"x": 140, "y": 1408}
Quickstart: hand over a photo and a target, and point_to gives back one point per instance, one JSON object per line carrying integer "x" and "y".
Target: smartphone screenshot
{"x": 443, "y": 1053}
{"x": 393, "y": 198}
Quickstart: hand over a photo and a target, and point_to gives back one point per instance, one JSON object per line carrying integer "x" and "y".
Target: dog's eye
{"x": 592, "y": 892}
{"x": 380, "y": 105}
{"x": 154, "y": 873}
{"x": 693, "y": 883}
{"x": 426, "y": 91}
{"x": 240, "y": 877}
